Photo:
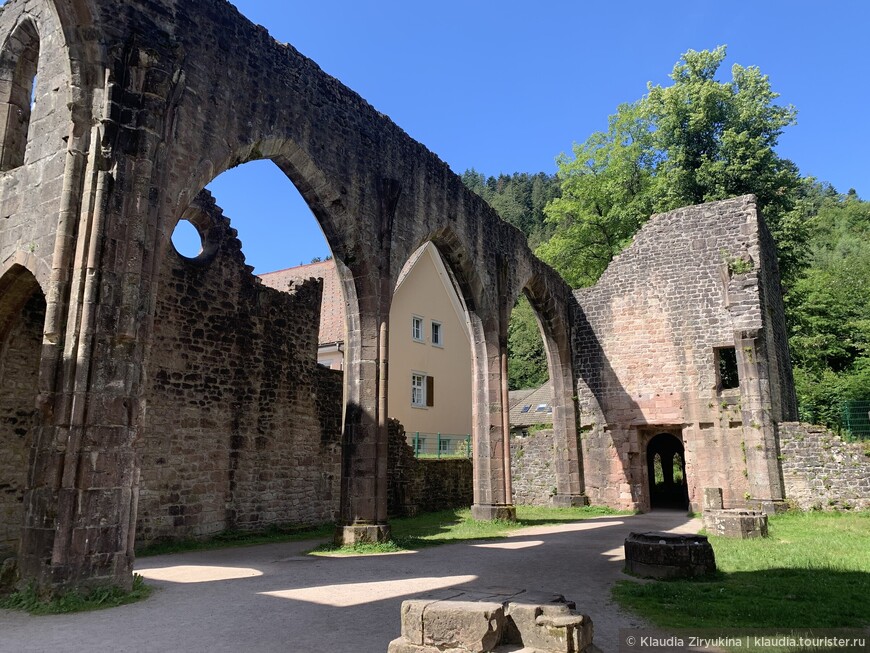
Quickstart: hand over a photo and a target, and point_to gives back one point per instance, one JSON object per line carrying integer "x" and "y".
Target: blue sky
{"x": 506, "y": 86}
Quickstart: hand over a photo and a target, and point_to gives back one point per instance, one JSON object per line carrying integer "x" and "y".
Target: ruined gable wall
{"x": 645, "y": 338}
{"x": 19, "y": 368}
{"x": 241, "y": 425}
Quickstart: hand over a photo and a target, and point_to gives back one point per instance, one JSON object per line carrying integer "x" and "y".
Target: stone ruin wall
{"x": 416, "y": 485}
{"x": 821, "y": 471}
{"x": 645, "y": 338}
{"x": 533, "y": 473}
{"x": 242, "y": 427}
{"x": 19, "y": 368}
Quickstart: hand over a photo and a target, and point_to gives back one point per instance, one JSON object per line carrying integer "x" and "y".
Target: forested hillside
{"x": 698, "y": 140}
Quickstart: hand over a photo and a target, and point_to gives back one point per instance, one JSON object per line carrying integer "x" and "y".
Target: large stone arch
{"x": 157, "y": 111}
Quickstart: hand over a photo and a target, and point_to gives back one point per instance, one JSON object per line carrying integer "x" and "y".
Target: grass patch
{"x": 100, "y": 598}
{"x": 237, "y": 538}
{"x": 449, "y": 526}
{"x": 812, "y": 572}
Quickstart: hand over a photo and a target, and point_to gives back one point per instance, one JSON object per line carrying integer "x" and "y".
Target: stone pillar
{"x": 569, "y": 480}
{"x": 759, "y": 430}
{"x": 491, "y": 461}
{"x": 363, "y": 510}
{"x": 80, "y": 505}
{"x": 364, "y": 495}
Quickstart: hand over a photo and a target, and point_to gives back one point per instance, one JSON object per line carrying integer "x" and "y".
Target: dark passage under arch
{"x": 666, "y": 467}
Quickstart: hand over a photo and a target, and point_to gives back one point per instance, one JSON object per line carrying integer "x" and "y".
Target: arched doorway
{"x": 22, "y": 319}
{"x": 666, "y": 471}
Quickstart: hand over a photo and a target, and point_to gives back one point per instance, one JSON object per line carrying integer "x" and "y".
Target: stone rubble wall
{"x": 425, "y": 484}
{"x": 242, "y": 427}
{"x": 19, "y": 368}
{"x": 533, "y": 472}
{"x": 821, "y": 470}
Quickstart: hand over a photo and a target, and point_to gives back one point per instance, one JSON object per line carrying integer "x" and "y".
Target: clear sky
{"x": 506, "y": 86}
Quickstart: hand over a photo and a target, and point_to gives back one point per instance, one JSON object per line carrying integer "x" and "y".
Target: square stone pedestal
{"x": 361, "y": 534}
{"x": 489, "y": 511}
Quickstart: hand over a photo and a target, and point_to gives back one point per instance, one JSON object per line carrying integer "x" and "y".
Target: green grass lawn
{"x": 812, "y": 572}
{"x": 434, "y": 528}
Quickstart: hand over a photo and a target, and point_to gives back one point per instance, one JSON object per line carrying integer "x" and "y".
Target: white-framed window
{"x": 437, "y": 334}
{"x": 417, "y": 328}
{"x": 418, "y": 389}
{"x": 422, "y": 390}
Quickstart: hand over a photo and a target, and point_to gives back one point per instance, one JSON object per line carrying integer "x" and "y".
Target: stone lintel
{"x": 489, "y": 512}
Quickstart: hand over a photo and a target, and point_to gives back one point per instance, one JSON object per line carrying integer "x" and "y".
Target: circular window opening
{"x": 187, "y": 240}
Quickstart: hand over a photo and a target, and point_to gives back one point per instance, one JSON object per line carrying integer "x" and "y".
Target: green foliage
{"x": 828, "y": 307}
{"x": 695, "y": 141}
{"x": 99, "y": 598}
{"x": 606, "y": 196}
{"x": 756, "y": 578}
{"x": 519, "y": 198}
{"x": 527, "y": 360}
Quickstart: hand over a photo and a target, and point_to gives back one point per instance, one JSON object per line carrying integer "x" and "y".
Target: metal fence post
{"x": 439, "y": 445}
{"x": 417, "y": 443}
{"x": 468, "y": 446}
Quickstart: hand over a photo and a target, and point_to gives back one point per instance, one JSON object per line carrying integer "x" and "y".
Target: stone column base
{"x": 489, "y": 511}
{"x": 569, "y": 500}
{"x": 361, "y": 534}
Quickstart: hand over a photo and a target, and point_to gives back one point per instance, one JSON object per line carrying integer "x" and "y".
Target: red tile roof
{"x": 331, "y": 307}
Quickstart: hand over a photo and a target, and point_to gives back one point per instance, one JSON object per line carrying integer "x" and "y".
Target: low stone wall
{"x": 424, "y": 485}
{"x": 821, "y": 471}
{"x": 533, "y": 473}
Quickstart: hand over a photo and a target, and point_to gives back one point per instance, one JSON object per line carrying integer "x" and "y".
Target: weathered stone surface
{"x": 736, "y": 523}
{"x": 474, "y": 626}
{"x": 424, "y": 485}
{"x": 668, "y": 555}
{"x": 713, "y": 498}
{"x": 485, "y": 512}
{"x": 646, "y": 361}
{"x": 549, "y": 627}
{"x": 243, "y": 428}
{"x": 821, "y": 471}
{"x": 467, "y": 622}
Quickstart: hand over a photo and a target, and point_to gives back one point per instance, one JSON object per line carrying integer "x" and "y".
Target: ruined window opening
{"x": 187, "y": 239}
{"x": 417, "y": 328}
{"x": 726, "y": 368}
{"x": 18, "y": 66}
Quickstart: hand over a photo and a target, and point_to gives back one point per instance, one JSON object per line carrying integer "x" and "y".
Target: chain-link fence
{"x": 855, "y": 417}
{"x": 439, "y": 445}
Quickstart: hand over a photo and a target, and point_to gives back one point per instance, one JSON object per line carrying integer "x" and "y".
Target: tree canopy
{"x": 697, "y": 140}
